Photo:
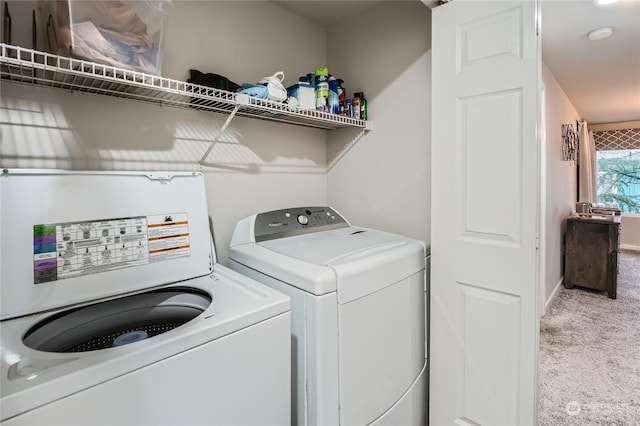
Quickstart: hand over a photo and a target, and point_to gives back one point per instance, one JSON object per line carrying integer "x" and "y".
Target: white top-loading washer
{"x": 114, "y": 310}
{"x": 358, "y": 312}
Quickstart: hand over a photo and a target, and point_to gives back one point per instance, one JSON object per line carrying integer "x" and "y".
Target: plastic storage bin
{"x": 124, "y": 34}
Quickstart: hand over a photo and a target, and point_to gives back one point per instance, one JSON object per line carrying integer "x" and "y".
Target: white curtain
{"x": 586, "y": 164}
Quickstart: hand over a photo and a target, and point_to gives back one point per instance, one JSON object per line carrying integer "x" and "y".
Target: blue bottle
{"x": 334, "y": 101}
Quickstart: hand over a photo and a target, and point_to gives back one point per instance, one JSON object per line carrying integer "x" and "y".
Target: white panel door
{"x": 484, "y": 326}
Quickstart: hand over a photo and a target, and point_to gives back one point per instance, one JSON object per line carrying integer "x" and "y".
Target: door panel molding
{"x": 490, "y": 40}
{"x": 491, "y": 173}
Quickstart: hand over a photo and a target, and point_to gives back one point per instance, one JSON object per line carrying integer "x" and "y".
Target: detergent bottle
{"x": 334, "y": 102}
{"x": 322, "y": 88}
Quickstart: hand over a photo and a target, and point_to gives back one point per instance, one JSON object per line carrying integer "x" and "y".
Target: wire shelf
{"x": 29, "y": 66}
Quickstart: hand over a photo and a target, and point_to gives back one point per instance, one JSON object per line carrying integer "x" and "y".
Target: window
{"x": 618, "y": 168}
{"x": 618, "y": 179}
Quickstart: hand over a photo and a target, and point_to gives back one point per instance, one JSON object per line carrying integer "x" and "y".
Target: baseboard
{"x": 554, "y": 294}
{"x": 629, "y": 247}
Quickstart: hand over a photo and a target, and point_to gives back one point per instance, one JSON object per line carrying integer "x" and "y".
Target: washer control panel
{"x": 296, "y": 221}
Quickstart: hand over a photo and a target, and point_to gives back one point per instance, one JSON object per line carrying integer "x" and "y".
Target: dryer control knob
{"x": 302, "y": 219}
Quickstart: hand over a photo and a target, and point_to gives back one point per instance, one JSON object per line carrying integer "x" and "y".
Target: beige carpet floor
{"x": 589, "y": 360}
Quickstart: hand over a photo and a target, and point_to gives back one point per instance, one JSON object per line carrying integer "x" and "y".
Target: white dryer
{"x": 357, "y": 304}
{"x": 114, "y": 310}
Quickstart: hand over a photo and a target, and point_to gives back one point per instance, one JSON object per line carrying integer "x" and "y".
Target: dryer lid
{"x": 353, "y": 261}
{"x": 361, "y": 260}
{"x": 327, "y": 247}
{"x": 315, "y": 235}
{"x": 71, "y": 237}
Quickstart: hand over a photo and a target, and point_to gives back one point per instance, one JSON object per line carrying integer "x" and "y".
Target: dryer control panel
{"x": 296, "y": 221}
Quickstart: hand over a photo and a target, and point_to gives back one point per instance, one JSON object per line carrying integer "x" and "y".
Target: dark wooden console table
{"x": 591, "y": 253}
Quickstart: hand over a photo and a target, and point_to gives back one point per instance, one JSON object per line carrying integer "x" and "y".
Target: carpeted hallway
{"x": 589, "y": 361}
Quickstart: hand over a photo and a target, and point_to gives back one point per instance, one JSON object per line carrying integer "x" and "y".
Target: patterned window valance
{"x": 617, "y": 139}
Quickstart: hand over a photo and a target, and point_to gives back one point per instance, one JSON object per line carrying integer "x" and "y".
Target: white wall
{"x": 630, "y": 231}
{"x": 258, "y": 165}
{"x": 383, "y": 181}
{"x": 560, "y": 179}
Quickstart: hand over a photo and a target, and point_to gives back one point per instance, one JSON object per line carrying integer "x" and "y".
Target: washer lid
{"x": 71, "y": 237}
{"x": 117, "y": 322}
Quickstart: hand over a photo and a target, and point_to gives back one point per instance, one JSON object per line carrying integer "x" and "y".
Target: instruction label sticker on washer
{"x": 67, "y": 250}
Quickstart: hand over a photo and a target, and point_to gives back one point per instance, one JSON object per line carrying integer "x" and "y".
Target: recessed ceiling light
{"x": 603, "y": 2}
{"x": 600, "y": 33}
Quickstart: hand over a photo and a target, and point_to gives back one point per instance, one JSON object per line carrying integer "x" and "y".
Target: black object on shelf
{"x": 6, "y": 36}
{"x": 210, "y": 80}
{"x": 34, "y": 31}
